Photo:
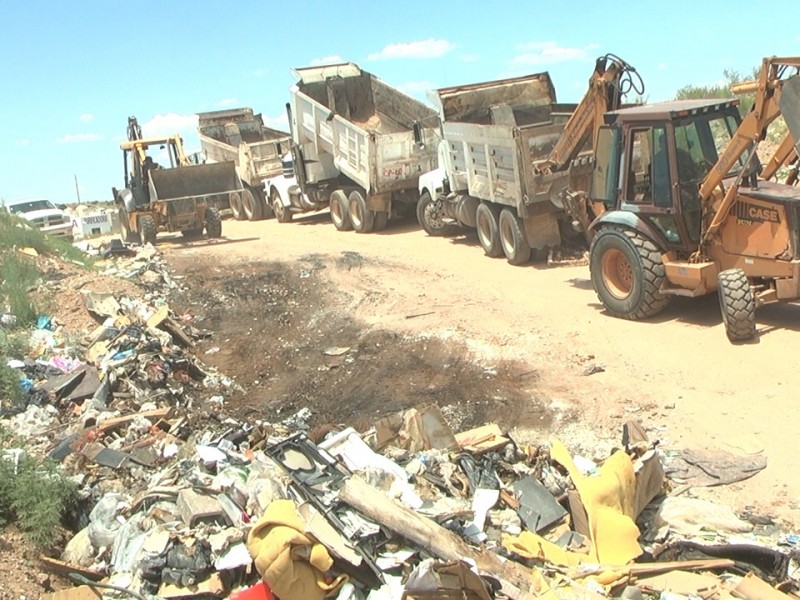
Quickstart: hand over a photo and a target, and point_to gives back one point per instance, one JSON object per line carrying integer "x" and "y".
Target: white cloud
{"x": 279, "y": 121}
{"x": 545, "y": 53}
{"x": 23, "y": 142}
{"x": 413, "y": 87}
{"x": 326, "y": 60}
{"x": 86, "y": 117}
{"x": 74, "y": 138}
{"x": 228, "y": 102}
{"x": 662, "y": 66}
{"x": 169, "y": 123}
{"x": 430, "y": 48}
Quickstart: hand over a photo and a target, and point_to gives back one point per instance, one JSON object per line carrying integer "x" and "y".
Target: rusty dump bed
{"x": 495, "y": 131}
{"x": 195, "y": 181}
{"x": 237, "y": 125}
{"x": 348, "y": 122}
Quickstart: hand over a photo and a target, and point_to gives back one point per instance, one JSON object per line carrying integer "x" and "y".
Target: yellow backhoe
{"x": 677, "y": 206}
{"x": 175, "y": 196}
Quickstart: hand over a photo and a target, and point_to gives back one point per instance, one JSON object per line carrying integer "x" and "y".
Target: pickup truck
{"x": 41, "y": 213}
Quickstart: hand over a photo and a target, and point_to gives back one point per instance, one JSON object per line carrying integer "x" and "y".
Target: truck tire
{"x": 147, "y": 229}
{"x": 381, "y": 220}
{"x": 362, "y": 218}
{"x": 627, "y": 273}
{"x": 487, "y": 223}
{"x": 261, "y": 197}
{"x": 512, "y": 238}
{"x": 235, "y": 202}
{"x": 282, "y": 214}
{"x": 738, "y": 305}
{"x": 128, "y": 236}
{"x": 213, "y": 223}
{"x": 251, "y": 207}
{"x": 340, "y": 214}
{"x": 430, "y": 214}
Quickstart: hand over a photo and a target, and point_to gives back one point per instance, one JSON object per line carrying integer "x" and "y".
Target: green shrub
{"x": 35, "y": 497}
{"x": 11, "y": 393}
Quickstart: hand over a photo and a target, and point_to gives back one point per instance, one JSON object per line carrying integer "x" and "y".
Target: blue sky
{"x": 72, "y": 72}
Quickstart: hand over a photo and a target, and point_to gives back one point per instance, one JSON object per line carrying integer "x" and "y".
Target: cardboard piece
{"x": 482, "y": 439}
{"x": 213, "y": 586}
{"x": 752, "y": 587}
{"x": 685, "y": 583}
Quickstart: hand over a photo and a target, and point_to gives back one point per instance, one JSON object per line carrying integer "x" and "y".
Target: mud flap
{"x": 542, "y": 231}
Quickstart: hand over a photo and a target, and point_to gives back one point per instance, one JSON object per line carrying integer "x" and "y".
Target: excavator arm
{"x": 611, "y": 79}
{"x": 785, "y": 154}
{"x": 753, "y": 129}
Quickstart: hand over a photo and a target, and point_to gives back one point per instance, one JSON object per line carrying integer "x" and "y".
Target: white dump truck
{"x": 358, "y": 146}
{"x": 510, "y": 156}
{"x": 240, "y": 136}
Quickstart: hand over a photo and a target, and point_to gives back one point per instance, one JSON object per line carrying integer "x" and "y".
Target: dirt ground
{"x": 408, "y": 318}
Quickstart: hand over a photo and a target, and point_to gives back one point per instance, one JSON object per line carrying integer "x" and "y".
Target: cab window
{"x": 648, "y": 168}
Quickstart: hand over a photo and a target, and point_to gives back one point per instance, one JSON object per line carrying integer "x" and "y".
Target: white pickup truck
{"x": 41, "y": 213}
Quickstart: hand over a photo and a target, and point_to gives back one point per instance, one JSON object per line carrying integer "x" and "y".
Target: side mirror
{"x": 418, "y": 139}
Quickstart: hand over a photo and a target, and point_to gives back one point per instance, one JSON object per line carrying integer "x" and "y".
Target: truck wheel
{"x": 251, "y": 207}
{"x": 512, "y": 238}
{"x": 381, "y": 220}
{"x": 147, "y": 229}
{"x": 738, "y": 305}
{"x": 486, "y": 221}
{"x": 261, "y": 197}
{"x": 282, "y": 214}
{"x": 127, "y": 235}
{"x": 235, "y": 201}
{"x": 213, "y": 222}
{"x": 430, "y": 214}
{"x": 340, "y": 215}
{"x": 627, "y": 273}
{"x": 362, "y": 218}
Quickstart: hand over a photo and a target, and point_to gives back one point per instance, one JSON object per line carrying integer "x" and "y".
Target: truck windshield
{"x": 30, "y": 206}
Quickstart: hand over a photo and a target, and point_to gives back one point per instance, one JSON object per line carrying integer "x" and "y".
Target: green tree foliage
{"x": 721, "y": 89}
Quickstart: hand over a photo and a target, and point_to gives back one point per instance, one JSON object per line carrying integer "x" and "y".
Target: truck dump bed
{"x": 240, "y": 136}
{"x": 347, "y": 121}
{"x": 495, "y": 131}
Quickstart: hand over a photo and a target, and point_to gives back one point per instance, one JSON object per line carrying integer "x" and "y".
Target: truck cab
{"x": 650, "y": 161}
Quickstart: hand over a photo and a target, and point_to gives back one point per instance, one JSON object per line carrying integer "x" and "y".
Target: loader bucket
{"x": 195, "y": 181}
{"x": 790, "y": 108}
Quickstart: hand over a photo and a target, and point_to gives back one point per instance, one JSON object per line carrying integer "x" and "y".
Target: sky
{"x": 72, "y": 72}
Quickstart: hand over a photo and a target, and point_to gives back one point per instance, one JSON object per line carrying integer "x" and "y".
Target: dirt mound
{"x": 291, "y": 339}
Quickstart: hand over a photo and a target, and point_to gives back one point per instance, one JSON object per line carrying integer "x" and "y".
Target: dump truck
{"x": 676, "y": 206}
{"x": 175, "y": 196}
{"x": 510, "y": 154}
{"x": 240, "y": 136}
{"x": 358, "y": 147}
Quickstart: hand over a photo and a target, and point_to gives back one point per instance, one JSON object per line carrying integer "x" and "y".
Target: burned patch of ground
{"x": 291, "y": 340}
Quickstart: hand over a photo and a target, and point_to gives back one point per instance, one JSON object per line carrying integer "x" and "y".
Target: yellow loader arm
{"x": 753, "y": 129}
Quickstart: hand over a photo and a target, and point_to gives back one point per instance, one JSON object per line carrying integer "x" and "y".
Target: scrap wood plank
{"x": 176, "y": 331}
{"x": 117, "y": 422}
{"x": 64, "y": 568}
{"x": 158, "y": 317}
{"x": 482, "y": 439}
{"x": 442, "y": 543}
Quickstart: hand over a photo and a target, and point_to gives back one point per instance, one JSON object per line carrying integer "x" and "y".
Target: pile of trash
{"x": 183, "y": 502}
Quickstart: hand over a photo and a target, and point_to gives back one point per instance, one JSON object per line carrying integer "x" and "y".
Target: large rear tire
{"x": 147, "y": 229}
{"x": 235, "y": 202}
{"x": 251, "y": 207}
{"x": 362, "y": 218}
{"x": 487, "y": 223}
{"x": 430, "y": 215}
{"x": 128, "y": 236}
{"x": 282, "y": 214}
{"x": 627, "y": 273}
{"x": 213, "y": 223}
{"x": 738, "y": 305}
{"x": 340, "y": 214}
{"x": 512, "y": 238}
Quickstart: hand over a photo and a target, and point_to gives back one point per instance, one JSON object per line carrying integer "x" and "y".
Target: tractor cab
{"x": 139, "y": 163}
{"x": 651, "y": 159}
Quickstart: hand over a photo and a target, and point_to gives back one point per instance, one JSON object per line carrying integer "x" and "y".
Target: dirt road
{"x": 678, "y": 373}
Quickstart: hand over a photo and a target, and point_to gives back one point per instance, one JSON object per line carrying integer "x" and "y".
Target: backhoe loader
{"x": 676, "y": 206}
{"x": 175, "y": 197}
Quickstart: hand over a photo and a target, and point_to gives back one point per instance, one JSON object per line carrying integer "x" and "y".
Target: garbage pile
{"x": 181, "y": 505}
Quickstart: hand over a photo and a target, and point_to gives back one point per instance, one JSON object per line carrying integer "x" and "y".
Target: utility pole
{"x": 77, "y": 189}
